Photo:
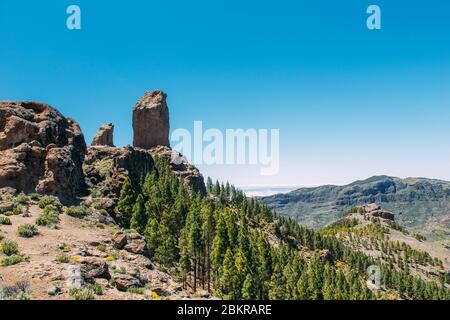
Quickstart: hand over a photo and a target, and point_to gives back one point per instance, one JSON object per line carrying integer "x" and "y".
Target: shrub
{"x": 82, "y": 294}
{"x": 14, "y": 259}
{"x": 9, "y": 247}
{"x": 22, "y": 199}
{"x": 35, "y": 196}
{"x": 19, "y": 291}
{"x": 5, "y": 221}
{"x": 95, "y": 192}
{"x": 50, "y": 200}
{"x": 102, "y": 247}
{"x": 27, "y": 230}
{"x": 77, "y": 212}
{"x": 51, "y": 209}
{"x": 3, "y": 209}
{"x": 17, "y": 210}
{"x": 136, "y": 290}
{"x": 97, "y": 289}
{"x": 49, "y": 218}
{"x": 63, "y": 258}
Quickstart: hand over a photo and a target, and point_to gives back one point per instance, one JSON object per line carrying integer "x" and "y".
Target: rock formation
{"x": 104, "y": 136}
{"x": 40, "y": 150}
{"x": 151, "y": 121}
{"x": 106, "y": 168}
{"x": 375, "y": 210}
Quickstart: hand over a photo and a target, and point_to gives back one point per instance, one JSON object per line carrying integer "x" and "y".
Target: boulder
{"x": 125, "y": 281}
{"x": 40, "y": 150}
{"x": 151, "y": 121}
{"x": 92, "y": 268}
{"x": 104, "y": 136}
{"x": 119, "y": 240}
{"x": 137, "y": 246}
{"x": 387, "y": 215}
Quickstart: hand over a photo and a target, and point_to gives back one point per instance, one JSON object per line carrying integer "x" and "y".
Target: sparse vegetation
{"x": 95, "y": 192}
{"x": 136, "y": 290}
{"x": 9, "y": 247}
{"x": 63, "y": 258}
{"x": 49, "y": 217}
{"x": 35, "y": 196}
{"x": 50, "y": 200}
{"x": 77, "y": 211}
{"x": 82, "y": 294}
{"x": 22, "y": 199}
{"x": 4, "y": 220}
{"x": 27, "y": 231}
{"x": 19, "y": 291}
{"x": 420, "y": 237}
{"x": 13, "y": 259}
{"x": 97, "y": 289}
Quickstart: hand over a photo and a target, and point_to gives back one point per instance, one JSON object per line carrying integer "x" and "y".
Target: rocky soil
{"x": 81, "y": 252}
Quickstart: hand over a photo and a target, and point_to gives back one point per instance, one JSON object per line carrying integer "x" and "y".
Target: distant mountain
{"x": 423, "y": 203}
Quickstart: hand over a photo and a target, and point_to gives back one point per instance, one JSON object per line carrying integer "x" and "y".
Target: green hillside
{"x": 420, "y": 202}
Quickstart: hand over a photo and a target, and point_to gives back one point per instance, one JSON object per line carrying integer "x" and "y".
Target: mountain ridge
{"x": 419, "y": 200}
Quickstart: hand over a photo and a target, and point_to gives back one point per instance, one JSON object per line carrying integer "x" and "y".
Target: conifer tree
{"x": 124, "y": 209}
{"x": 139, "y": 218}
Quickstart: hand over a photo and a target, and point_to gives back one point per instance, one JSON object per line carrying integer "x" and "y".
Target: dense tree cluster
{"x": 237, "y": 248}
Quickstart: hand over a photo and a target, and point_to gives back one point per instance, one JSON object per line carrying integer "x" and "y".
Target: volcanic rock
{"x": 151, "y": 121}
{"x": 104, "y": 136}
{"x": 41, "y": 150}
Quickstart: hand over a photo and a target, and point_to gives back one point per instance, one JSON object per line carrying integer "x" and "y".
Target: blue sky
{"x": 349, "y": 102}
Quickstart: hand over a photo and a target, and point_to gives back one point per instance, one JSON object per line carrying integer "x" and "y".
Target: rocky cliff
{"x": 40, "y": 150}
{"x": 44, "y": 152}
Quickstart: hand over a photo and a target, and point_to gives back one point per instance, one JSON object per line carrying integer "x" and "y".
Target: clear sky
{"x": 349, "y": 102}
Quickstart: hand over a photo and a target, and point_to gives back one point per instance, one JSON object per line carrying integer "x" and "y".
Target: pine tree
{"x": 124, "y": 209}
{"x": 209, "y": 185}
{"x": 139, "y": 218}
{"x": 229, "y": 280}
{"x": 248, "y": 288}
{"x": 220, "y": 245}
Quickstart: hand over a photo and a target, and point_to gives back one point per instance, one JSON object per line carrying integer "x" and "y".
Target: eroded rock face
{"x": 151, "y": 121}
{"x": 191, "y": 176}
{"x": 104, "y": 136}
{"x": 40, "y": 150}
{"x": 106, "y": 168}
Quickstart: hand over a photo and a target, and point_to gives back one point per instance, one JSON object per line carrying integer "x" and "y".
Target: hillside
{"x": 102, "y": 222}
{"x": 421, "y": 203}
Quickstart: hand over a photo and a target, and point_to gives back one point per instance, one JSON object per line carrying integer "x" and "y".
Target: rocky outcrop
{"x": 191, "y": 176}
{"x": 151, "y": 121}
{"x": 93, "y": 268}
{"x": 375, "y": 210}
{"x": 40, "y": 150}
{"x": 104, "y": 136}
{"x": 106, "y": 168}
